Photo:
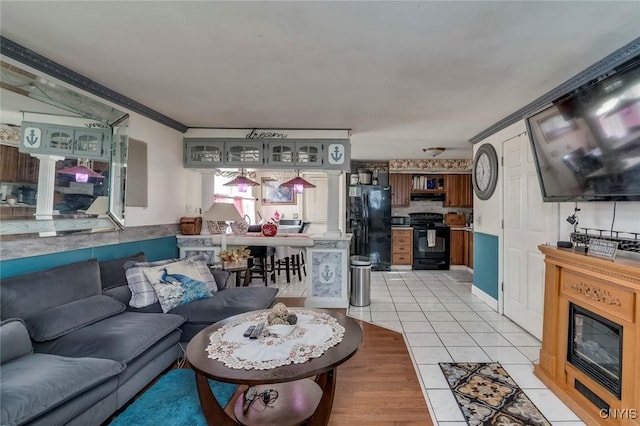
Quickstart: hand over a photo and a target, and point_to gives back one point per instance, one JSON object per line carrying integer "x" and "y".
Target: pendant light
{"x": 81, "y": 173}
{"x": 298, "y": 184}
{"x": 243, "y": 183}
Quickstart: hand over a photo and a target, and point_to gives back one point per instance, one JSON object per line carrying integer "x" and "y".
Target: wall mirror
{"x": 63, "y": 159}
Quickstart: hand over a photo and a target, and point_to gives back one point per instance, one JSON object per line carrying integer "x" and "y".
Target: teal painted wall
{"x": 156, "y": 249}
{"x": 485, "y": 263}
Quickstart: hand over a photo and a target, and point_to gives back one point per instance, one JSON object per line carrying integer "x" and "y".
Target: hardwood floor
{"x": 378, "y": 386}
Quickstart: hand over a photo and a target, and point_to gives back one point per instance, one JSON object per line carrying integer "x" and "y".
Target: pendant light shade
{"x": 82, "y": 173}
{"x": 298, "y": 184}
{"x": 242, "y": 182}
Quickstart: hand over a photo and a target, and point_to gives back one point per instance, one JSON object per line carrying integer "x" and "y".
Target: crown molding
{"x": 596, "y": 71}
{"x": 28, "y": 57}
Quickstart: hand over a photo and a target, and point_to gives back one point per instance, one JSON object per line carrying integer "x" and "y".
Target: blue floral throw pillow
{"x": 177, "y": 283}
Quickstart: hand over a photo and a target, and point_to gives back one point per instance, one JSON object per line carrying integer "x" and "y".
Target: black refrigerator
{"x": 369, "y": 220}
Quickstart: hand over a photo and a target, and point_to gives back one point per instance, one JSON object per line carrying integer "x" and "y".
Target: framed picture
{"x": 273, "y": 193}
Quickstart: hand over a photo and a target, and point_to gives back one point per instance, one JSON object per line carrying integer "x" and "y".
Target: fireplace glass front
{"x": 595, "y": 347}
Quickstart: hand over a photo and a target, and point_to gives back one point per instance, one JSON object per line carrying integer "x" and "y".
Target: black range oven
{"x": 431, "y": 239}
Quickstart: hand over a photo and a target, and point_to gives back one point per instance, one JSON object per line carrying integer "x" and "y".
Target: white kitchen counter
{"x": 327, "y": 259}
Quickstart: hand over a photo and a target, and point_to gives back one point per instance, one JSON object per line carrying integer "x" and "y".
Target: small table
{"x": 238, "y": 271}
{"x": 283, "y": 378}
{"x": 240, "y": 279}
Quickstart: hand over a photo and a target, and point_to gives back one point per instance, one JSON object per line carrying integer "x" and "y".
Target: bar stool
{"x": 299, "y": 258}
{"x": 286, "y": 263}
{"x": 263, "y": 263}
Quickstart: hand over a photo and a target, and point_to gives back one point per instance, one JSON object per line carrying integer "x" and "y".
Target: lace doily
{"x": 315, "y": 333}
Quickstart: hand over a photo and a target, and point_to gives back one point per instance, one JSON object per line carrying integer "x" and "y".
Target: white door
{"x": 528, "y": 222}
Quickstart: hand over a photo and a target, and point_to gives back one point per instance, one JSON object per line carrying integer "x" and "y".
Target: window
{"x": 245, "y": 203}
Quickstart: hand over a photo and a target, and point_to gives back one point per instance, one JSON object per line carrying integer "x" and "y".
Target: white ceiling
{"x": 402, "y": 75}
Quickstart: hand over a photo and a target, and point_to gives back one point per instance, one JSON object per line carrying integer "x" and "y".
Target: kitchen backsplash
{"x": 428, "y": 206}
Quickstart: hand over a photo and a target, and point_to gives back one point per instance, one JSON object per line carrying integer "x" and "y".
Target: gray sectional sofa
{"x": 73, "y": 351}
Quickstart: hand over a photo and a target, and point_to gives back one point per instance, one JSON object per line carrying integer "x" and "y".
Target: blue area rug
{"x": 173, "y": 400}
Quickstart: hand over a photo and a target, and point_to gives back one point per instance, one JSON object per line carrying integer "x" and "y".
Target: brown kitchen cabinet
{"x": 8, "y": 163}
{"x": 459, "y": 190}
{"x": 400, "y": 189}
{"x": 468, "y": 253}
{"x": 457, "y": 248}
{"x": 401, "y": 246}
{"x": 17, "y": 166}
{"x": 28, "y": 168}
{"x": 7, "y": 211}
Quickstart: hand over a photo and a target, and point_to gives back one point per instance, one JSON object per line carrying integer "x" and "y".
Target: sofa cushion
{"x": 14, "y": 340}
{"x": 176, "y": 283}
{"x": 121, "y": 337}
{"x": 226, "y": 303}
{"x": 37, "y": 383}
{"x": 112, "y": 273}
{"x": 142, "y": 292}
{"x": 121, "y": 293}
{"x": 35, "y": 292}
{"x": 63, "y": 319}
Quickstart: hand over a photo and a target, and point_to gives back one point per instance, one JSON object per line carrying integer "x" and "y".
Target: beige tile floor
{"x": 442, "y": 321}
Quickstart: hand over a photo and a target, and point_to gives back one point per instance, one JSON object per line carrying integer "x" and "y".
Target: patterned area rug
{"x": 487, "y": 395}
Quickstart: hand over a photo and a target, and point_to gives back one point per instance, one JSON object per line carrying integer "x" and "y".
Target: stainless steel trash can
{"x": 360, "y": 281}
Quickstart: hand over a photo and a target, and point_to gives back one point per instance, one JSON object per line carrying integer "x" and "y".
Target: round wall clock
{"x": 485, "y": 171}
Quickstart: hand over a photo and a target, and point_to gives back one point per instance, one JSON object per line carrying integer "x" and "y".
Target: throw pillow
{"x": 63, "y": 319}
{"x": 142, "y": 292}
{"x": 176, "y": 283}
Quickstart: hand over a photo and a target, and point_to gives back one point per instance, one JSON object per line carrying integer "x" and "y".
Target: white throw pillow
{"x": 142, "y": 292}
{"x": 177, "y": 283}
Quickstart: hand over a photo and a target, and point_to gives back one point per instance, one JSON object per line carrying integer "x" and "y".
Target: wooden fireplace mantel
{"x": 607, "y": 288}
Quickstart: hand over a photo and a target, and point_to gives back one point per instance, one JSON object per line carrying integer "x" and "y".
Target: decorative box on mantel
{"x": 591, "y": 335}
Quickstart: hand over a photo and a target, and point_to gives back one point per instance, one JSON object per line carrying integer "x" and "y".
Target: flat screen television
{"x": 586, "y": 146}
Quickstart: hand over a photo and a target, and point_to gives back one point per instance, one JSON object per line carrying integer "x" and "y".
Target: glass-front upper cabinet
{"x": 67, "y": 141}
{"x": 91, "y": 144}
{"x": 203, "y": 153}
{"x": 295, "y": 153}
{"x": 309, "y": 153}
{"x": 281, "y": 153}
{"x": 59, "y": 140}
{"x": 244, "y": 153}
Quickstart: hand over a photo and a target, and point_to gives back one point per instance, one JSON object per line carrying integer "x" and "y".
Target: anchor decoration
{"x": 327, "y": 274}
{"x": 32, "y": 137}
{"x": 336, "y": 153}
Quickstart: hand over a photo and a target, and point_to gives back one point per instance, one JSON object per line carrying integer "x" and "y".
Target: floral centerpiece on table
{"x": 235, "y": 258}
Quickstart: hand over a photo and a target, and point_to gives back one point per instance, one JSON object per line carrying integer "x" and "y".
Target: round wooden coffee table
{"x": 286, "y": 409}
